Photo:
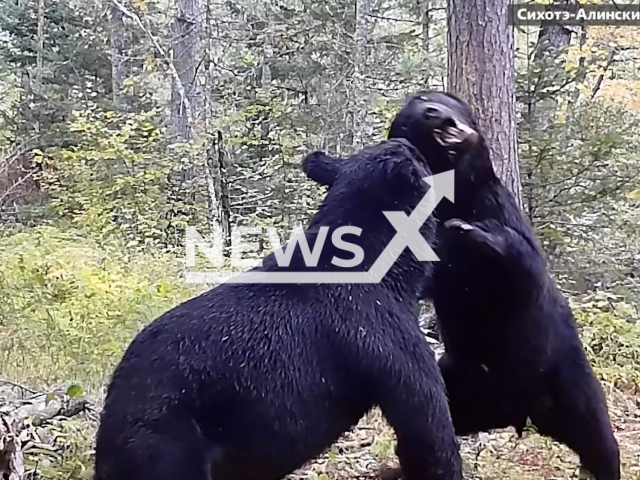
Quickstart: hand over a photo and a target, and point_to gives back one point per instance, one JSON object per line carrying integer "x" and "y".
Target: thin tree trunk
{"x": 266, "y": 77}
{"x": 574, "y": 94}
{"x": 185, "y": 46}
{"x": 120, "y": 67}
{"x": 481, "y": 71}
{"x": 553, "y": 38}
{"x": 219, "y": 212}
{"x": 425, "y": 14}
{"x": 40, "y": 53}
{"x": 359, "y": 91}
{"x": 177, "y": 87}
{"x": 612, "y": 58}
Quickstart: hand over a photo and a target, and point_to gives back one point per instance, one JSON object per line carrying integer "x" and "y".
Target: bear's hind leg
{"x": 575, "y": 414}
{"x": 169, "y": 454}
{"x": 412, "y": 398}
{"x": 477, "y": 401}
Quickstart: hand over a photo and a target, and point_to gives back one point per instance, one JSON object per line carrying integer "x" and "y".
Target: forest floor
{"x": 501, "y": 455}
{"x": 63, "y": 447}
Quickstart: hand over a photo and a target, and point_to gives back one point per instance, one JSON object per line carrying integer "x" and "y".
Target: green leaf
{"x": 74, "y": 390}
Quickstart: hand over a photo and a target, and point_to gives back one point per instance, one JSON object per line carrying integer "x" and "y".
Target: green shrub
{"x": 121, "y": 178}
{"x": 611, "y": 337}
{"x": 68, "y": 306}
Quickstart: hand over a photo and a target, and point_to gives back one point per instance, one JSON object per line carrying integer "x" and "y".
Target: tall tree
{"x": 185, "y": 47}
{"x": 360, "y": 95}
{"x": 548, "y": 55}
{"x": 216, "y": 164}
{"x": 40, "y": 51}
{"x": 481, "y": 71}
{"x": 425, "y": 20}
{"x": 119, "y": 55}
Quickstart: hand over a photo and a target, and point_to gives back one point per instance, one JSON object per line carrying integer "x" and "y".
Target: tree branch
{"x": 172, "y": 69}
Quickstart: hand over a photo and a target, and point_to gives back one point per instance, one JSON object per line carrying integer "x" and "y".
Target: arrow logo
{"x": 408, "y": 235}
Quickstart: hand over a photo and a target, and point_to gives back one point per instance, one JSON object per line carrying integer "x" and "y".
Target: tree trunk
{"x": 574, "y": 94}
{"x": 120, "y": 67}
{"x": 552, "y": 35}
{"x": 219, "y": 212}
{"x": 185, "y": 46}
{"x": 481, "y": 71}
{"x": 425, "y": 20}
{"x": 359, "y": 90}
{"x": 553, "y": 38}
{"x": 40, "y": 53}
{"x": 266, "y": 78}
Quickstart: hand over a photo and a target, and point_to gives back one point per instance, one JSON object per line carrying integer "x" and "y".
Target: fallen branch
{"x": 17, "y": 385}
{"x": 41, "y": 411}
{"x": 19, "y": 420}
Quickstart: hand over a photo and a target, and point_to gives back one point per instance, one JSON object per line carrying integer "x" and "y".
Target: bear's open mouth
{"x": 455, "y": 133}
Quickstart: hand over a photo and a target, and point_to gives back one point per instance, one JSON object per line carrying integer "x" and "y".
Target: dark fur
{"x": 512, "y": 346}
{"x": 250, "y": 381}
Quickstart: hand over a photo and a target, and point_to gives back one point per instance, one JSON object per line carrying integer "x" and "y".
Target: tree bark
{"x": 185, "y": 46}
{"x": 553, "y": 38}
{"x": 219, "y": 212}
{"x": 120, "y": 67}
{"x": 481, "y": 72}
{"x": 177, "y": 87}
{"x": 359, "y": 90}
{"x": 574, "y": 94}
{"x": 552, "y": 35}
{"x": 40, "y": 53}
{"x": 266, "y": 77}
{"x": 219, "y": 209}
{"x": 425, "y": 20}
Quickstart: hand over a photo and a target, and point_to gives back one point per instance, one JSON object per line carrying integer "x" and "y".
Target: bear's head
{"x": 445, "y": 132}
{"x": 388, "y": 177}
{"x": 384, "y": 177}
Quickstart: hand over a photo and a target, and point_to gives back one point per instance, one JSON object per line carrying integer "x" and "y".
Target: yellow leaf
{"x": 635, "y": 195}
{"x": 139, "y": 5}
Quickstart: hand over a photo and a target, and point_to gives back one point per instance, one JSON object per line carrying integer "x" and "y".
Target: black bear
{"x": 250, "y": 380}
{"x": 512, "y": 347}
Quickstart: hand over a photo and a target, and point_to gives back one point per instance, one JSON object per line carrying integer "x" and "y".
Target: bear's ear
{"x": 322, "y": 168}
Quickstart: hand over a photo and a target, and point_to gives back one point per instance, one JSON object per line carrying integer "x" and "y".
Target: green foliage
{"x": 269, "y": 139}
{"x": 75, "y": 63}
{"x": 74, "y": 390}
{"x": 611, "y": 336}
{"x": 68, "y": 307}
{"x": 582, "y": 161}
{"x": 116, "y": 180}
{"x": 579, "y": 155}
